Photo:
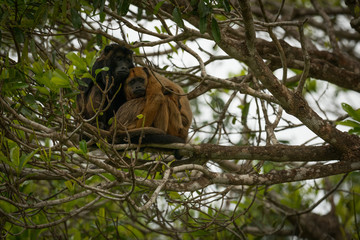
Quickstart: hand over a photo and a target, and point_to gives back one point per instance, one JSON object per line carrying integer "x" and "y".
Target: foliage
{"x": 354, "y": 114}
{"x": 268, "y": 82}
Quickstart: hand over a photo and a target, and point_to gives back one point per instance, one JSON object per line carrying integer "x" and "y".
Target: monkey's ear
{"x": 128, "y": 51}
{"x": 146, "y": 70}
{"x": 108, "y": 48}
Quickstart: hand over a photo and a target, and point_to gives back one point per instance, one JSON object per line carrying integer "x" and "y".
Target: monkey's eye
{"x": 139, "y": 79}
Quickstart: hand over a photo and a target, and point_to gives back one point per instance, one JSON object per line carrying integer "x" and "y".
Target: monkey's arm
{"x": 185, "y": 110}
{"x": 154, "y": 106}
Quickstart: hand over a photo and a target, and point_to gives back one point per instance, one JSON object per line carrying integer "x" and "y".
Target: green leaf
{"x": 112, "y": 5}
{"x": 157, "y": 29}
{"x": 226, "y": 5}
{"x": 75, "y": 19}
{"x": 41, "y": 15}
{"x": 63, "y": 9}
{"x": 177, "y": 17}
{"x": 43, "y": 90}
{"x": 99, "y": 40}
{"x": 174, "y": 195}
{"x": 90, "y": 58}
{"x": 139, "y": 14}
{"x": 33, "y": 49}
{"x": 158, "y": 6}
{"x": 244, "y": 111}
{"x": 210, "y": 211}
{"x": 102, "y": 5}
{"x": 70, "y": 185}
{"x": 75, "y": 150}
{"x": 77, "y": 61}
{"x": 173, "y": 48}
{"x": 233, "y": 121}
{"x": 110, "y": 121}
{"x": 6, "y": 161}
{"x": 123, "y": 7}
{"x": 215, "y": 31}
{"x": 101, "y": 216}
{"x": 45, "y": 78}
{"x": 102, "y": 17}
{"x": 83, "y": 146}
{"x": 349, "y": 123}
{"x": 60, "y": 79}
{"x": 355, "y": 114}
{"x": 14, "y": 85}
{"x": 357, "y": 10}
{"x": 86, "y": 75}
{"x": 101, "y": 69}
{"x": 25, "y": 51}
{"x": 169, "y": 164}
{"x": 24, "y": 159}
{"x": 19, "y": 35}
{"x": 203, "y": 24}
{"x": 193, "y": 3}
{"x": 30, "y": 100}
{"x": 203, "y": 10}
{"x": 15, "y": 155}
{"x": 311, "y": 85}
{"x": 355, "y": 130}
{"x": 37, "y": 68}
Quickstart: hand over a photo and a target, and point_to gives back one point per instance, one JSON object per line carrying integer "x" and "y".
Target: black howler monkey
{"x": 108, "y": 84}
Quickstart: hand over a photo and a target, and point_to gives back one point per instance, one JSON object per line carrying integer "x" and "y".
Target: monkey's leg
{"x": 175, "y": 123}
{"x": 162, "y": 120}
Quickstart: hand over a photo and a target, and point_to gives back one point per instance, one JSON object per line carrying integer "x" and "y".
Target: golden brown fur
{"x": 180, "y": 100}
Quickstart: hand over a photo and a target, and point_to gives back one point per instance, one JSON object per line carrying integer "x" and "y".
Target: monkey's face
{"x": 121, "y": 68}
{"x": 136, "y": 83}
{"x": 136, "y": 88}
{"x": 119, "y": 60}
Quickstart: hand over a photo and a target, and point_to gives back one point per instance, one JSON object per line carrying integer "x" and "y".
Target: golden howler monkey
{"x": 108, "y": 84}
{"x": 161, "y": 104}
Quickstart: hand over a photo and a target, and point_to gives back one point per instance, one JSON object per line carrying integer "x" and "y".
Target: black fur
{"x": 119, "y": 61}
{"x": 152, "y": 139}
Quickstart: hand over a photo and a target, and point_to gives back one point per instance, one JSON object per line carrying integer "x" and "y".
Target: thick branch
{"x": 275, "y": 153}
{"x": 273, "y": 177}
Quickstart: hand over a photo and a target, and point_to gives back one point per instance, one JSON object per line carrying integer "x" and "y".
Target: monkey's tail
{"x": 148, "y": 135}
